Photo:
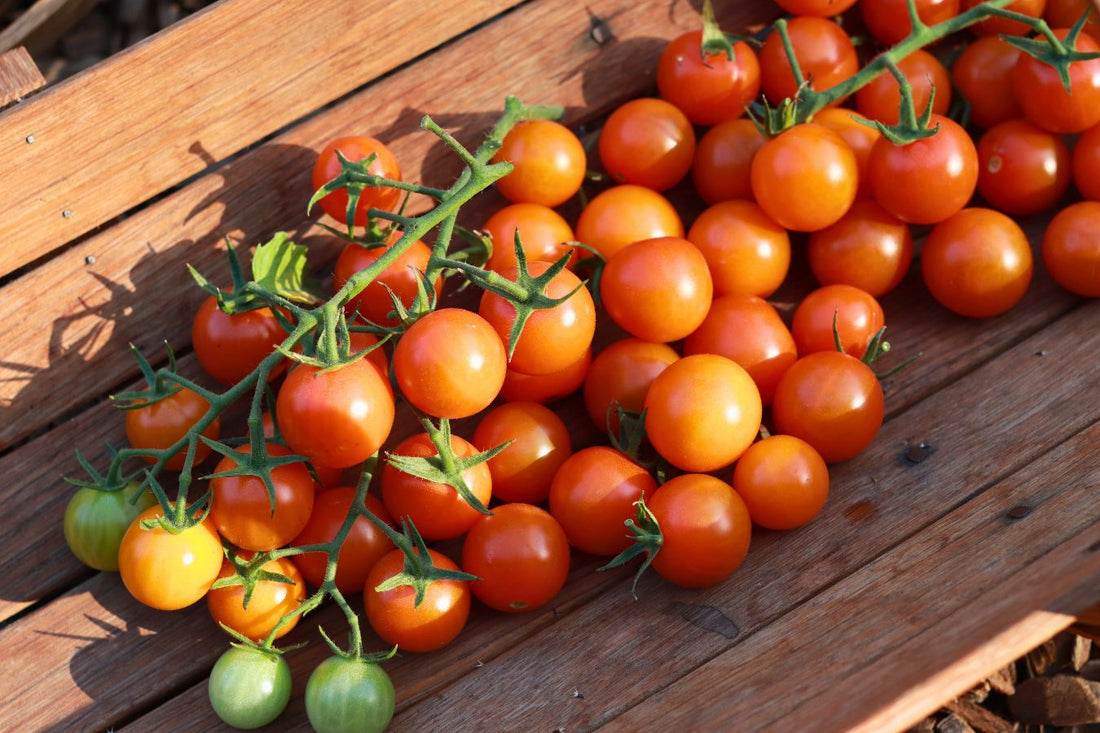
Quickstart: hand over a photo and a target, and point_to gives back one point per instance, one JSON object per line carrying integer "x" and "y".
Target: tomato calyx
{"x": 645, "y": 532}
{"x": 256, "y": 461}
{"x": 113, "y": 480}
{"x": 445, "y": 467}
{"x": 1055, "y": 53}
{"x": 248, "y": 571}
{"x": 159, "y": 383}
{"x": 714, "y": 39}
{"x": 630, "y": 440}
{"x": 419, "y": 571}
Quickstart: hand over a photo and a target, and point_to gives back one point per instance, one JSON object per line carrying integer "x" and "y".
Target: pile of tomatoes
{"x": 719, "y": 413}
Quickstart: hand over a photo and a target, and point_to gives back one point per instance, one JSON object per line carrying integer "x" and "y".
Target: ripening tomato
{"x": 745, "y": 250}
{"x": 543, "y": 233}
{"x": 983, "y": 75}
{"x": 623, "y": 215}
{"x": 549, "y": 163}
{"x": 543, "y": 388}
{"x": 269, "y": 602}
{"x": 831, "y": 400}
{"x": 978, "y": 263}
{"x": 860, "y": 138}
{"x": 806, "y": 177}
{"x": 246, "y": 516}
{"x": 657, "y": 289}
{"x": 748, "y": 330}
{"x": 856, "y": 314}
{"x": 702, "y": 412}
{"x": 1086, "y": 163}
{"x": 450, "y": 363}
{"x": 888, "y": 20}
{"x": 996, "y": 25}
{"x": 96, "y": 519}
{"x": 1071, "y": 248}
{"x": 357, "y": 148}
{"x": 230, "y": 347}
{"x": 880, "y": 99}
{"x": 169, "y": 571}
{"x": 647, "y": 142}
{"x": 434, "y": 623}
{"x": 722, "y": 169}
{"x": 1046, "y": 102}
{"x": 707, "y": 87}
{"x": 249, "y": 687}
{"x": 345, "y": 694}
{"x": 869, "y": 248}
{"x": 928, "y": 180}
{"x": 159, "y": 425}
{"x": 552, "y": 338}
{"x": 338, "y": 417}
{"x": 705, "y": 527}
{"x": 520, "y": 555}
{"x": 437, "y": 509}
{"x": 825, "y": 53}
{"x": 364, "y": 545}
{"x": 783, "y": 481}
{"x": 538, "y": 441}
{"x": 620, "y": 376}
{"x": 1022, "y": 169}
{"x": 402, "y": 277}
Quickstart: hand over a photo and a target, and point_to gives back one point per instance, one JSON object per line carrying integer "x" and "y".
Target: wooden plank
{"x": 19, "y": 76}
{"x": 128, "y": 284}
{"x": 167, "y": 108}
{"x": 952, "y": 604}
{"x": 985, "y": 427}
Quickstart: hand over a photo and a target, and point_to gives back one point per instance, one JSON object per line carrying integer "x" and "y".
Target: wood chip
{"x": 1079, "y": 652}
{"x": 953, "y": 724}
{"x": 1003, "y": 680}
{"x": 1058, "y": 700}
{"x": 979, "y": 718}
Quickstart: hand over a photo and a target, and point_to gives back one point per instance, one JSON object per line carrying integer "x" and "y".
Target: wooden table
{"x": 968, "y": 533}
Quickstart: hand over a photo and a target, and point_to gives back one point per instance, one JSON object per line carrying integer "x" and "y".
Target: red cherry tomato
{"x": 647, "y": 142}
{"x": 543, "y": 388}
{"x": 1064, "y": 13}
{"x": 856, "y": 314}
{"x": 1071, "y": 248}
{"x": 230, "y": 347}
{"x": 544, "y": 234}
{"x": 983, "y": 75}
{"x": 549, "y": 161}
{"x": 620, "y": 375}
{"x": 722, "y": 167}
{"x": 708, "y": 88}
{"x": 1006, "y": 26}
{"x": 881, "y": 98}
{"x": 869, "y": 248}
{"x": 1047, "y": 103}
{"x": 816, "y": 8}
{"x": 538, "y": 441}
{"x": 1086, "y": 163}
{"x": 783, "y": 481}
{"x": 745, "y": 250}
{"x": 364, "y": 545}
{"x": 626, "y": 214}
{"x": 1022, "y": 169}
{"x": 397, "y": 620}
{"x": 159, "y": 425}
{"x": 888, "y": 20}
{"x": 826, "y": 56}
{"x": 356, "y": 148}
{"x": 403, "y": 278}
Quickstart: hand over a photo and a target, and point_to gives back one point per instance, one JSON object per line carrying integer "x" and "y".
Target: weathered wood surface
{"x": 19, "y": 75}
{"x": 911, "y": 585}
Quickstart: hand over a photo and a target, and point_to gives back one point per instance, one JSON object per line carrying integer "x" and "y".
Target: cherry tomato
{"x": 806, "y": 177}
{"x": 1047, "y": 103}
{"x": 927, "y": 180}
{"x": 831, "y": 400}
{"x": 620, "y": 375}
{"x": 826, "y": 56}
{"x": 593, "y": 494}
{"x": 540, "y": 443}
{"x": 1022, "y": 169}
{"x": 708, "y": 88}
{"x": 147, "y": 558}
{"x": 450, "y": 363}
{"x": 745, "y": 250}
{"x": 434, "y": 623}
{"x": 249, "y": 688}
{"x": 860, "y": 138}
{"x": 978, "y": 263}
{"x": 657, "y": 289}
{"x": 349, "y": 695}
{"x": 356, "y": 148}
{"x": 888, "y": 20}
{"x": 983, "y": 75}
{"x": 748, "y": 330}
{"x": 706, "y": 529}
{"x": 364, "y": 545}
{"x": 552, "y": 338}
{"x": 816, "y": 8}
{"x": 856, "y": 313}
{"x": 543, "y": 232}
{"x": 543, "y": 388}
{"x": 647, "y": 142}
{"x": 337, "y": 418}
{"x": 996, "y": 25}
{"x": 869, "y": 248}
{"x": 623, "y": 215}
{"x": 549, "y": 163}
{"x": 159, "y": 425}
{"x": 403, "y": 278}
{"x": 722, "y": 167}
{"x": 1086, "y": 163}
{"x": 881, "y": 98}
{"x": 96, "y": 520}
{"x": 1064, "y": 13}
{"x": 783, "y": 481}
{"x": 437, "y": 509}
{"x": 242, "y": 511}
{"x": 702, "y": 412}
{"x": 230, "y": 347}
{"x": 1071, "y": 248}
{"x": 270, "y": 601}
{"x": 521, "y": 556}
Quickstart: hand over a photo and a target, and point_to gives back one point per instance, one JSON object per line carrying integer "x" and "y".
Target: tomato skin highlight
{"x": 783, "y": 481}
{"x": 95, "y": 522}
{"x": 169, "y": 571}
{"x": 710, "y": 89}
{"x": 1071, "y": 248}
{"x": 522, "y": 472}
{"x": 549, "y": 163}
{"x": 345, "y": 695}
{"x": 249, "y": 688}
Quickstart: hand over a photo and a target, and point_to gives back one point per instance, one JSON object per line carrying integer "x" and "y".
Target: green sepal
{"x": 419, "y": 572}
{"x": 645, "y": 531}
{"x": 280, "y": 266}
{"x": 256, "y": 462}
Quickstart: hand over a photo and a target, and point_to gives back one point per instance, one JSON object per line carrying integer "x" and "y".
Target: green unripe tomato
{"x": 95, "y": 521}
{"x": 249, "y": 687}
{"x": 349, "y": 695}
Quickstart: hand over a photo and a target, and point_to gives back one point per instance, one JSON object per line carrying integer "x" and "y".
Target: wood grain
{"x": 19, "y": 76}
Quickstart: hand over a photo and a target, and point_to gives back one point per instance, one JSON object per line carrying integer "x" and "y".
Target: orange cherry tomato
{"x": 1071, "y": 248}
{"x": 157, "y": 426}
{"x": 722, "y": 167}
{"x": 783, "y": 481}
{"x": 623, "y": 215}
{"x": 647, "y": 142}
{"x": 869, "y": 248}
{"x": 549, "y": 161}
{"x": 538, "y": 441}
{"x": 745, "y": 250}
{"x": 269, "y": 602}
{"x": 620, "y": 375}
{"x": 402, "y": 277}
{"x": 856, "y": 314}
{"x": 543, "y": 232}
{"x": 397, "y": 620}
